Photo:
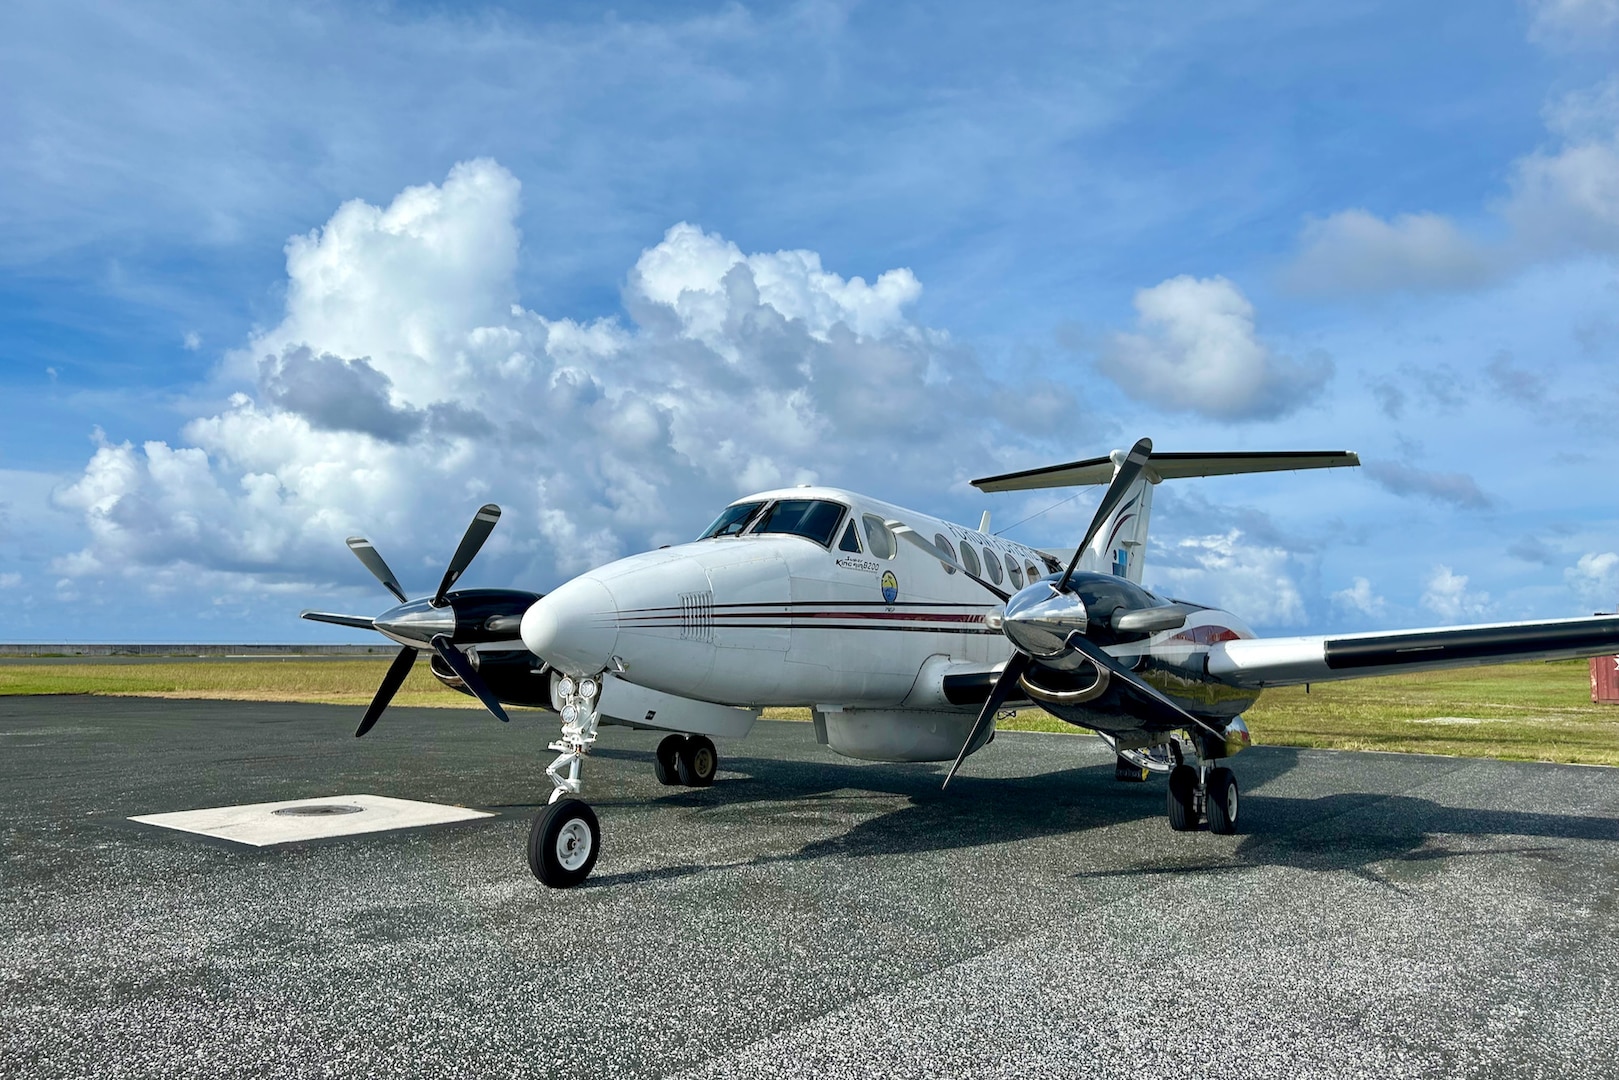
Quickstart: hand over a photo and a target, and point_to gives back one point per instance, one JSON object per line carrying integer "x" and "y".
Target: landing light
{"x": 565, "y": 687}
{"x": 587, "y": 688}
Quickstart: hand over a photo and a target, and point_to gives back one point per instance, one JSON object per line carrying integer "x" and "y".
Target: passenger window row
{"x": 817, "y": 519}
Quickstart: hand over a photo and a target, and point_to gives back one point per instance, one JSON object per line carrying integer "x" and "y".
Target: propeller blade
{"x": 359, "y": 622}
{"x": 1134, "y": 462}
{"x": 390, "y": 686}
{"x": 944, "y": 555}
{"x": 1167, "y": 710}
{"x": 373, "y": 562}
{"x": 998, "y": 694}
{"x": 483, "y": 523}
{"x": 457, "y": 660}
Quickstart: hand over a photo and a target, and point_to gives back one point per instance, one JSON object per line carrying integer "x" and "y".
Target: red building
{"x": 1605, "y": 679}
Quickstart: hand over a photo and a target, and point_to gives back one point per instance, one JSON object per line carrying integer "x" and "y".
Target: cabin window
{"x": 850, "y": 541}
{"x": 1014, "y": 572}
{"x": 992, "y": 563}
{"x": 813, "y": 519}
{"x": 878, "y": 539}
{"x": 1034, "y": 575}
{"x": 943, "y": 545}
{"x": 732, "y": 520}
{"x": 969, "y": 559}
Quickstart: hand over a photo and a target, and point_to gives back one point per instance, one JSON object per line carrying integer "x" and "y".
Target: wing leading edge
{"x": 1289, "y": 661}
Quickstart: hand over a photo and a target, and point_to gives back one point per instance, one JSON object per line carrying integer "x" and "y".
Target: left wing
{"x": 1288, "y": 661}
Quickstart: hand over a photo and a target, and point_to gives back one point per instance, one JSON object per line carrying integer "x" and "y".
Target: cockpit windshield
{"x": 813, "y": 519}
{"x": 732, "y": 520}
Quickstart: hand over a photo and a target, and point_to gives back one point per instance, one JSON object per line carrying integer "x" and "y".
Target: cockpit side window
{"x": 850, "y": 541}
{"x": 813, "y": 519}
{"x": 732, "y": 520}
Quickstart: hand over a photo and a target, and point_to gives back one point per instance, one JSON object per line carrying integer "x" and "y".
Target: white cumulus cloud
{"x": 1572, "y": 22}
{"x": 1197, "y": 351}
{"x": 1357, "y": 251}
{"x": 1561, "y": 200}
{"x": 406, "y": 384}
{"x": 1565, "y": 196}
{"x": 1360, "y": 597}
{"x": 1595, "y": 579}
{"x": 1445, "y": 594}
{"x": 1252, "y": 581}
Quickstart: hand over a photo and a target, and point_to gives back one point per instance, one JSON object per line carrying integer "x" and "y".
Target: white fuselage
{"x": 761, "y": 619}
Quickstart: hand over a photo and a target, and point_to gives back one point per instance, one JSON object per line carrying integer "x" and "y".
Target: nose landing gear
{"x": 565, "y": 838}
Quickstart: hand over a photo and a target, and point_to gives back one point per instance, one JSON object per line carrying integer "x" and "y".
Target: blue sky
{"x": 271, "y": 275}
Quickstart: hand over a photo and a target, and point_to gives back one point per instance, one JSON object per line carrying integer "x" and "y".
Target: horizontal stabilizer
{"x": 1169, "y": 467}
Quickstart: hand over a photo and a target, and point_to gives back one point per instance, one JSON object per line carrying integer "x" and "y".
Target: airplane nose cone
{"x": 574, "y": 628}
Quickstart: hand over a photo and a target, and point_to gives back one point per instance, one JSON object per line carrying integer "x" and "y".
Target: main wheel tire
{"x": 666, "y": 763}
{"x": 1222, "y": 801}
{"x": 563, "y": 843}
{"x": 1183, "y": 798}
{"x": 698, "y": 761}
{"x": 1128, "y": 772}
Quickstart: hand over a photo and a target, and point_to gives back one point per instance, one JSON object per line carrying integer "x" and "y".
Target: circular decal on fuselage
{"x": 890, "y": 586}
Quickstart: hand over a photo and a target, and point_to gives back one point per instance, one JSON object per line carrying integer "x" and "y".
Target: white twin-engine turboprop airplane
{"x": 905, "y": 635}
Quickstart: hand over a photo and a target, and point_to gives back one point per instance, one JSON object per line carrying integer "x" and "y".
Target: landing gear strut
{"x": 565, "y": 838}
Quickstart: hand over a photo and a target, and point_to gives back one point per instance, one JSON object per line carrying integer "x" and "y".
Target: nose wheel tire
{"x": 1222, "y": 801}
{"x": 1183, "y": 798}
{"x": 697, "y": 762}
{"x": 563, "y": 843}
{"x": 666, "y": 763}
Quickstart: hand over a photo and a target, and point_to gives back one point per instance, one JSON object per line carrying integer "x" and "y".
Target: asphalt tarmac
{"x": 1380, "y": 915}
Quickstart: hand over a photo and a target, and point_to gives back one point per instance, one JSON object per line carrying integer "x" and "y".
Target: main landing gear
{"x": 1194, "y": 792}
{"x": 690, "y": 760}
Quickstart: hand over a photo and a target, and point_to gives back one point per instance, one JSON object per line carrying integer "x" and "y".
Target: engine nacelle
{"x": 1235, "y": 742}
{"x": 515, "y": 676}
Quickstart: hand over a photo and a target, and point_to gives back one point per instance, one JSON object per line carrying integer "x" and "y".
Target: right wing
{"x": 1288, "y": 661}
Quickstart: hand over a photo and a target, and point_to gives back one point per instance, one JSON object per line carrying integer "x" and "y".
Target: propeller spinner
{"x": 436, "y": 623}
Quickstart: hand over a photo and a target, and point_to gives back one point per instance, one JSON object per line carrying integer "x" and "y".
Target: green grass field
{"x": 1532, "y": 712}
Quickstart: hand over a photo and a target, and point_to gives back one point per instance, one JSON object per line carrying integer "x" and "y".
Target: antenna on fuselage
{"x": 983, "y": 523}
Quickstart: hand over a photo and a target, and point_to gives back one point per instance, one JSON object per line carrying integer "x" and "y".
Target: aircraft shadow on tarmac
{"x": 1380, "y": 837}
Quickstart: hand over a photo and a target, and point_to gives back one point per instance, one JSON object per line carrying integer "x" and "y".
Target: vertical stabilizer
{"x": 1120, "y": 546}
